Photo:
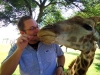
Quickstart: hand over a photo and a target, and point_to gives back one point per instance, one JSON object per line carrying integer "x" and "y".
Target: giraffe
{"x": 77, "y": 33}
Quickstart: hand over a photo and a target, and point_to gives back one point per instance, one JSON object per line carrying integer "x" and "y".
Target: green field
{"x": 93, "y": 70}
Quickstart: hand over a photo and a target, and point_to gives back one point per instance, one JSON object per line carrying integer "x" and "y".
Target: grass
{"x": 70, "y": 55}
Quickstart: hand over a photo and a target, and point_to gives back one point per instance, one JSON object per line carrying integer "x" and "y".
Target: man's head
{"x": 27, "y": 25}
{"x": 21, "y": 22}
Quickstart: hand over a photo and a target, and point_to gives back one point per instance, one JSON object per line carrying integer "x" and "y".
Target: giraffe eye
{"x": 87, "y": 27}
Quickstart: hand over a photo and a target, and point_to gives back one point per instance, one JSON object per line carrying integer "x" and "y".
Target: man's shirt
{"x": 42, "y": 61}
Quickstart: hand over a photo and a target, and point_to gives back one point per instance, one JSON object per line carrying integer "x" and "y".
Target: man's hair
{"x": 20, "y": 24}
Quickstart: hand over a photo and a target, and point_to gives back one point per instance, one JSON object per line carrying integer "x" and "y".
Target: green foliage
{"x": 91, "y": 8}
{"x": 17, "y": 3}
{"x": 52, "y": 17}
{"x": 98, "y": 28}
{"x": 20, "y": 4}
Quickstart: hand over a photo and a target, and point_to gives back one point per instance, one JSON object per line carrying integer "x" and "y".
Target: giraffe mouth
{"x": 46, "y": 37}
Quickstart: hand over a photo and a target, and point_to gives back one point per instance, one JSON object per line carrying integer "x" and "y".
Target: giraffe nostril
{"x": 87, "y": 27}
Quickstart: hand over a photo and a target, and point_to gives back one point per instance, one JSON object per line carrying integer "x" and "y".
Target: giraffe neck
{"x": 80, "y": 65}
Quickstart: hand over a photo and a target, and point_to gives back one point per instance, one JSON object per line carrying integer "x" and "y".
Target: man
{"x": 33, "y": 56}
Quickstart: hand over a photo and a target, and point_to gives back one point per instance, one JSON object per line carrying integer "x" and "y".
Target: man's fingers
{"x": 27, "y": 36}
{"x": 24, "y": 37}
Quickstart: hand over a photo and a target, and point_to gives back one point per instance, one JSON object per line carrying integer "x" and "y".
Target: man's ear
{"x": 22, "y": 32}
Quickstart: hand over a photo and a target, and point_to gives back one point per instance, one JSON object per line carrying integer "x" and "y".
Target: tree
{"x": 91, "y": 8}
{"x": 52, "y": 17}
{"x": 12, "y": 10}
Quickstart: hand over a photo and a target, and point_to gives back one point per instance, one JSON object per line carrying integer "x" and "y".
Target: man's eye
{"x": 31, "y": 29}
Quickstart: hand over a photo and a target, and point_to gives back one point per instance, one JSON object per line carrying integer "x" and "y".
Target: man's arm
{"x": 61, "y": 62}
{"x": 10, "y": 64}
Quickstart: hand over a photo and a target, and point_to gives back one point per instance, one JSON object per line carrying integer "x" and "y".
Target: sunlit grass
{"x": 93, "y": 70}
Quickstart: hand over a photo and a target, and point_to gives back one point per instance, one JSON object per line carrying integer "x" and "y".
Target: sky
{"x": 10, "y": 32}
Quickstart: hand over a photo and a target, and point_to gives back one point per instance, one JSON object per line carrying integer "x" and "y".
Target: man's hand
{"x": 22, "y": 41}
{"x": 59, "y": 71}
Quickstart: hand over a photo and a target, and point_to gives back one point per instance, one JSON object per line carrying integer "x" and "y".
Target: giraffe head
{"x": 76, "y": 33}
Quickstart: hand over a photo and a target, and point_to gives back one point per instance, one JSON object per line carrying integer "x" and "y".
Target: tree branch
{"x": 77, "y": 6}
{"x": 36, "y": 2}
{"x": 52, "y": 3}
{"x": 44, "y": 2}
{"x": 40, "y": 1}
{"x": 28, "y": 6}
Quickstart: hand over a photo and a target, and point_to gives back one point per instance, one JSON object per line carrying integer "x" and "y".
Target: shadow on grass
{"x": 97, "y": 65}
{"x": 72, "y": 53}
{"x": 65, "y": 70}
{"x": 97, "y": 56}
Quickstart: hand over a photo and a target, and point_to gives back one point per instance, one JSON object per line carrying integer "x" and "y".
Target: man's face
{"x": 31, "y": 28}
